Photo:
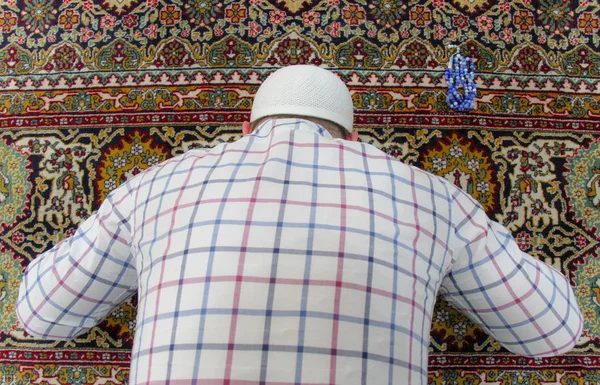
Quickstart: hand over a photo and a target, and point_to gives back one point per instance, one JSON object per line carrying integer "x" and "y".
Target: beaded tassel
{"x": 460, "y": 74}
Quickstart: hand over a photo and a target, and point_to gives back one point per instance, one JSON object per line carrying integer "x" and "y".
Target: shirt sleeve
{"x": 71, "y": 287}
{"x": 525, "y": 304}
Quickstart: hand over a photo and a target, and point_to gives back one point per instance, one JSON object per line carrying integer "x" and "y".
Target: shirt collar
{"x": 290, "y": 124}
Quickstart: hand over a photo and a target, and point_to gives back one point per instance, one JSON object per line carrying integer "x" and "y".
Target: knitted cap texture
{"x": 304, "y": 90}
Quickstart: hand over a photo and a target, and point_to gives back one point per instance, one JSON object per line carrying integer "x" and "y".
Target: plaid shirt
{"x": 290, "y": 257}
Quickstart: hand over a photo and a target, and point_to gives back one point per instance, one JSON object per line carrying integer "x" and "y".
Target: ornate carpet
{"x": 94, "y": 91}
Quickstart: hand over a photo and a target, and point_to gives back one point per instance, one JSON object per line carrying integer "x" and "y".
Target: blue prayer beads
{"x": 460, "y": 74}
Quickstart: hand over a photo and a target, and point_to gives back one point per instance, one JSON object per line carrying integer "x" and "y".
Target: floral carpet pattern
{"x": 95, "y": 91}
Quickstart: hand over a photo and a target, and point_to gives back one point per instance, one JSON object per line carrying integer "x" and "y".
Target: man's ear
{"x": 246, "y": 128}
{"x": 353, "y": 137}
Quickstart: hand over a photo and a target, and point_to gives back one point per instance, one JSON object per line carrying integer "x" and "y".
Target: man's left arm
{"x": 71, "y": 287}
{"x": 525, "y": 304}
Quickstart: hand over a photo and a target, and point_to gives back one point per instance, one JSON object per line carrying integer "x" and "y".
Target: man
{"x": 295, "y": 255}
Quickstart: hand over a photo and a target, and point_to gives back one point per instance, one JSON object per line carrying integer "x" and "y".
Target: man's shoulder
{"x": 171, "y": 165}
{"x": 402, "y": 168}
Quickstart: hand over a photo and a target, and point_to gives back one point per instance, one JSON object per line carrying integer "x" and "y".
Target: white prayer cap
{"x": 304, "y": 90}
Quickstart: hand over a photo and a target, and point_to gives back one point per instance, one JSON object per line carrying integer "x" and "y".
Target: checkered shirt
{"x": 291, "y": 257}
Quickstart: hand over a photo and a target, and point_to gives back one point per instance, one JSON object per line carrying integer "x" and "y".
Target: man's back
{"x": 291, "y": 257}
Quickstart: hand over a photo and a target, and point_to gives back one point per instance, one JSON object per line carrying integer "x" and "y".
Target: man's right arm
{"x": 527, "y": 305}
